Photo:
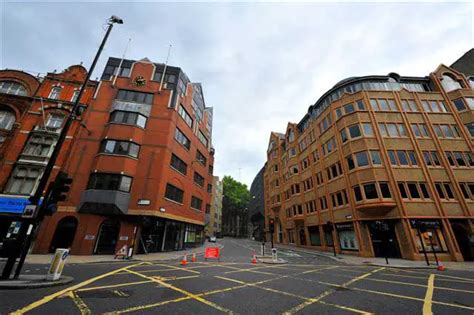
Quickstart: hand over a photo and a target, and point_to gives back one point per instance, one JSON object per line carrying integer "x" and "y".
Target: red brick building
{"x": 141, "y": 162}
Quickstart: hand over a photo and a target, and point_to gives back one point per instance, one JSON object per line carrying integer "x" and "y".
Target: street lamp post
{"x": 29, "y": 225}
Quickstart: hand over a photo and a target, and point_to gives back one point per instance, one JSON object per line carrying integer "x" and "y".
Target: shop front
{"x": 384, "y": 239}
{"x": 429, "y": 236}
{"x": 314, "y": 235}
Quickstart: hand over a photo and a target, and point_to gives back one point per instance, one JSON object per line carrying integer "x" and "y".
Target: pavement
{"x": 377, "y": 261}
{"x": 307, "y": 284}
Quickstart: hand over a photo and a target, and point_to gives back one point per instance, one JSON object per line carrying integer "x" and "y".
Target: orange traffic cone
{"x": 193, "y": 259}
{"x": 184, "y": 262}
{"x": 254, "y": 259}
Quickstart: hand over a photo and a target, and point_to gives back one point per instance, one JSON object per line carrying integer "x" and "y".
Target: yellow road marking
{"x": 328, "y": 292}
{"x": 186, "y": 293}
{"x": 439, "y": 275}
{"x": 142, "y": 307}
{"x": 429, "y": 296}
{"x": 83, "y": 308}
{"x": 342, "y": 307}
{"x": 50, "y": 297}
{"x": 113, "y": 286}
{"x": 176, "y": 278}
{"x": 178, "y": 268}
{"x": 424, "y": 278}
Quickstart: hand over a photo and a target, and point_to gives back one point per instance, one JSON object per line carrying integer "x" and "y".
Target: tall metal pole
{"x": 34, "y": 200}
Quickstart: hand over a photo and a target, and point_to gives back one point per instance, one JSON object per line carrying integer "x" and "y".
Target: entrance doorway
{"x": 463, "y": 239}
{"x": 64, "y": 234}
{"x": 384, "y": 239}
{"x": 107, "y": 239}
{"x": 302, "y": 237}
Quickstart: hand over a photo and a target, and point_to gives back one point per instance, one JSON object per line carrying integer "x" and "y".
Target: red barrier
{"x": 212, "y": 252}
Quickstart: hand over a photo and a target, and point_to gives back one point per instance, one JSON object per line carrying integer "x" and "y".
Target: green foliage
{"x": 236, "y": 193}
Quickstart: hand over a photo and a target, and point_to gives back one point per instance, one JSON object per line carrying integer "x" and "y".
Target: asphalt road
{"x": 308, "y": 284}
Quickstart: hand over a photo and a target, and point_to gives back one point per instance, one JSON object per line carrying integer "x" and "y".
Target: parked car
{"x": 213, "y": 239}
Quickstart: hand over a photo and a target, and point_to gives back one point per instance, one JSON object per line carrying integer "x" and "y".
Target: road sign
{"x": 212, "y": 252}
{"x": 29, "y": 212}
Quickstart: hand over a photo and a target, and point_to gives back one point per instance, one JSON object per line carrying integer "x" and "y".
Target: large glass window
{"x": 196, "y": 203}
{"x": 370, "y": 191}
{"x": 178, "y": 164}
{"x": 362, "y": 159}
{"x": 104, "y": 181}
{"x": 23, "y": 180}
{"x": 200, "y": 157}
{"x": 10, "y": 87}
{"x": 39, "y": 145}
{"x": 203, "y": 138}
{"x": 174, "y": 193}
{"x": 449, "y": 83}
{"x": 198, "y": 179}
{"x": 184, "y": 114}
{"x": 354, "y": 131}
{"x": 120, "y": 148}
{"x": 134, "y": 96}
{"x": 7, "y": 119}
{"x": 181, "y": 138}
{"x": 55, "y": 121}
{"x": 129, "y": 118}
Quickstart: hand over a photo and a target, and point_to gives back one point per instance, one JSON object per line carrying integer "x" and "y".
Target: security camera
{"x": 116, "y": 19}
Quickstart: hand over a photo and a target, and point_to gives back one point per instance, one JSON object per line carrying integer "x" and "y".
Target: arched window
{"x": 7, "y": 119}
{"x": 11, "y": 87}
{"x": 449, "y": 83}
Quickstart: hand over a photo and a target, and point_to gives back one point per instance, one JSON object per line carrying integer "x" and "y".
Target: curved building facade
{"x": 379, "y": 166}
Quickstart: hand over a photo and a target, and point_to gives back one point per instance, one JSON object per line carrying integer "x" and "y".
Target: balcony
{"x": 104, "y": 202}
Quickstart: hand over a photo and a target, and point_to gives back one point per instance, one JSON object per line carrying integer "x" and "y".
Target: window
{"x": 75, "y": 95}
{"x": 184, "y": 114}
{"x": 434, "y": 106}
{"x": 444, "y": 191}
{"x": 210, "y": 169}
{"x": 198, "y": 179}
{"x": 104, "y": 181}
{"x": 383, "y": 105}
{"x": 196, "y": 203}
{"x": 431, "y": 158}
{"x": 129, "y": 118}
{"x": 200, "y": 157}
{"x": 446, "y": 131}
{"x": 334, "y": 170}
{"x": 375, "y": 157}
{"x": 470, "y": 129}
{"x": 357, "y": 193}
{"x": 323, "y": 203}
{"x": 174, "y": 193}
{"x": 470, "y": 102}
{"x": 134, "y": 96}
{"x": 55, "y": 92}
{"x": 329, "y": 146}
{"x": 120, "y": 148}
{"x": 178, "y": 164}
{"x": 467, "y": 190}
{"x": 23, "y": 180}
{"x": 362, "y": 159}
{"x": 414, "y": 193}
{"x": 409, "y": 106}
{"x": 416, "y": 190}
{"x": 55, "y": 121}
{"x": 203, "y": 138}
{"x": 368, "y": 132}
{"x": 449, "y": 83}
{"x": 39, "y": 145}
{"x": 350, "y": 162}
{"x": 370, "y": 191}
{"x": 402, "y": 157}
{"x": 459, "y": 103}
{"x": 392, "y": 130}
{"x": 10, "y": 87}
{"x": 181, "y": 138}
{"x": 7, "y": 119}
{"x": 343, "y": 135}
{"x": 349, "y": 108}
{"x": 354, "y": 131}
{"x": 385, "y": 190}
{"x": 111, "y": 71}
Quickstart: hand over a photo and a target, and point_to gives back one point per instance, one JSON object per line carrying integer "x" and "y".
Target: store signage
{"x": 89, "y": 237}
{"x": 124, "y": 238}
{"x": 426, "y": 223}
{"x": 13, "y": 205}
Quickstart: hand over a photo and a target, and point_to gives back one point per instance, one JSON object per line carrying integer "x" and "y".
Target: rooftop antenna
{"x": 121, "y": 61}
{"x": 164, "y": 70}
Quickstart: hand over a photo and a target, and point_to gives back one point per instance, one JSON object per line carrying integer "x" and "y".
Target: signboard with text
{"x": 212, "y": 252}
{"x": 13, "y": 204}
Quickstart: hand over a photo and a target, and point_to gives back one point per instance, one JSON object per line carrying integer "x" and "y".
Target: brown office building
{"x": 379, "y": 166}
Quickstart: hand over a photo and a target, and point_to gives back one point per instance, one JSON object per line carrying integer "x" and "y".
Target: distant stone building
{"x": 214, "y": 215}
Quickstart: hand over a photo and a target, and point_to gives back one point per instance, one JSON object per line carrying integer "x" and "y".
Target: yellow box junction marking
{"x": 429, "y": 296}
{"x": 186, "y": 293}
{"x": 51, "y": 297}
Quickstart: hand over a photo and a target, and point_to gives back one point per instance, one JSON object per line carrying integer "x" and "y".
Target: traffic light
{"x": 56, "y": 192}
{"x": 271, "y": 225}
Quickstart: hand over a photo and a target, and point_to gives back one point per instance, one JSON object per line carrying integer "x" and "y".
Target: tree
{"x": 234, "y": 207}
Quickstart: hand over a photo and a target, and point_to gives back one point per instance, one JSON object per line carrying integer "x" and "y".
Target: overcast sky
{"x": 261, "y": 65}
